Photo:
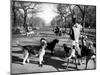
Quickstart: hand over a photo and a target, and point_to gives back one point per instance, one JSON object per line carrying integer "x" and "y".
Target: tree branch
{"x": 82, "y": 11}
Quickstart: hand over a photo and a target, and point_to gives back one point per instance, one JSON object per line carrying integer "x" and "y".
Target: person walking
{"x": 75, "y": 34}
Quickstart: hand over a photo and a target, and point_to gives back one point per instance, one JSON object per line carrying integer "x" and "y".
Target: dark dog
{"x": 51, "y": 45}
{"x": 90, "y": 54}
{"x": 67, "y": 50}
{"x": 88, "y": 51}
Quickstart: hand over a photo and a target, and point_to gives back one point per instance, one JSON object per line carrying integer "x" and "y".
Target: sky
{"x": 48, "y": 12}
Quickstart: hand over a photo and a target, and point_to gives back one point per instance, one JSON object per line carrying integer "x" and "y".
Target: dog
{"x": 28, "y": 50}
{"x": 30, "y": 33}
{"x": 71, "y": 54}
{"x": 67, "y": 50}
{"x": 42, "y": 51}
{"x": 88, "y": 51}
{"x": 91, "y": 54}
{"x": 51, "y": 45}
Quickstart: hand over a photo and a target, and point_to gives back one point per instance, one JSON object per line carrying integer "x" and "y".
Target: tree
{"x": 91, "y": 16}
{"x": 13, "y": 11}
{"x": 66, "y": 11}
{"x": 25, "y": 6}
{"x": 36, "y": 22}
{"x": 88, "y": 15}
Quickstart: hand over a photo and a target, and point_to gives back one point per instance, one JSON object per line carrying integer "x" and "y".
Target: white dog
{"x": 42, "y": 51}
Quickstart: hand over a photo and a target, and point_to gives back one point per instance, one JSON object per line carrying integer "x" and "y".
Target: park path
{"x": 51, "y": 64}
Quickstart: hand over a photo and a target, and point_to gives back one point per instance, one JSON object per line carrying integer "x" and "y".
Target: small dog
{"x": 51, "y": 45}
{"x": 30, "y": 33}
{"x": 72, "y": 53}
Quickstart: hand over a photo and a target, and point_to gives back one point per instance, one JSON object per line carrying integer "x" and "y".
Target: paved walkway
{"x": 52, "y": 63}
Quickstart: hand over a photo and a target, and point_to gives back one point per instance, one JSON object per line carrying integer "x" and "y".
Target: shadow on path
{"x": 16, "y": 60}
{"x": 18, "y": 52}
{"x": 54, "y": 62}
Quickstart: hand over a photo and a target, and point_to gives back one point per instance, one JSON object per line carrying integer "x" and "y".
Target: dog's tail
{"x": 19, "y": 45}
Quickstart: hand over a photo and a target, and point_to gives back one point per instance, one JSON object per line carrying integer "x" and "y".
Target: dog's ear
{"x": 42, "y": 39}
{"x": 64, "y": 45}
{"x": 94, "y": 44}
{"x": 80, "y": 46}
{"x": 56, "y": 40}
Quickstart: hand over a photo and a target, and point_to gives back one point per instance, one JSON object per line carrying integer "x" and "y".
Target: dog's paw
{"x": 52, "y": 54}
{"x": 40, "y": 65}
{"x": 37, "y": 55}
{"x": 79, "y": 63}
{"x": 23, "y": 63}
{"x": 92, "y": 57}
{"x": 28, "y": 61}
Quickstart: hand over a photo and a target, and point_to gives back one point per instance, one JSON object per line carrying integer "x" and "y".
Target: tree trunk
{"x": 84, "y": 17}
{"x": 14, "y": 14}
{"x": 65, "y": 24}
{"x": 83, "y": 23}
{"x": 24, "y": 24}
{"x": 72, "y": 16}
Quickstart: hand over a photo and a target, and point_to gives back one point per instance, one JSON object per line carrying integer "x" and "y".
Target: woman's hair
{"x": 73, "y": 46}
{"x": 74, "y": 20}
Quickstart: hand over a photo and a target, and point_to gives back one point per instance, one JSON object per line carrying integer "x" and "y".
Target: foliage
{"x": 24, "y": 14}
{"x": 84, "y": 14}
